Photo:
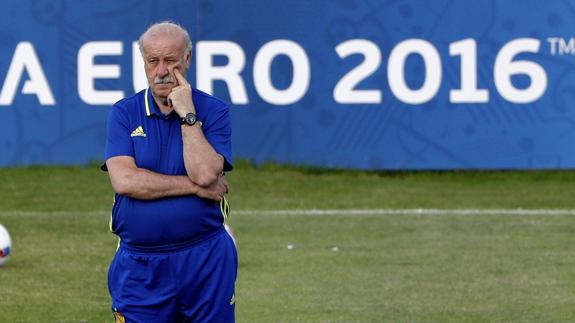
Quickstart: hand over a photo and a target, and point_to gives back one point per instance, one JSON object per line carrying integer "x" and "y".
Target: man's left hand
{"x": 180, "y": 99}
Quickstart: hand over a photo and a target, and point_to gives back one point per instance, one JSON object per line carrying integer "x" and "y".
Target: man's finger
{"x": 170, "y": 100}
{"x": 181, "y": 79}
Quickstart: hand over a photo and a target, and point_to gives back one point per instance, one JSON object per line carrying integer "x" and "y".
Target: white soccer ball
{"x": 5, "y": 245}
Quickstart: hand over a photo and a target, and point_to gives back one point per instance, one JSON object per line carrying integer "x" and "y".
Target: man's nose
{"x": 162, "y": 70}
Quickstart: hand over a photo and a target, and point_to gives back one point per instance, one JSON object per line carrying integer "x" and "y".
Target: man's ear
{"x": 188, "y": 59}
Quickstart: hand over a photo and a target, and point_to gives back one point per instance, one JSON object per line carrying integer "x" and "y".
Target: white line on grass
{"x": 324, "y": 212}
{"x": 430, "y": 212}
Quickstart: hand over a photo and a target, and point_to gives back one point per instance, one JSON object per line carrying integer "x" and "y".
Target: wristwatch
{"x": 190, "y": 119}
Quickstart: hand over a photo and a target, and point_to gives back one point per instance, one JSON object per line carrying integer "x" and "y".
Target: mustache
{"x": 164, "y": 80}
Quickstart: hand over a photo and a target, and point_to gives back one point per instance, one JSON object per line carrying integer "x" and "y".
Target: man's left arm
{"x": 203, "y": 164}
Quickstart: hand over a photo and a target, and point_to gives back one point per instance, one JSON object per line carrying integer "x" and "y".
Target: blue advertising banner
{"x": 363, "y": 84}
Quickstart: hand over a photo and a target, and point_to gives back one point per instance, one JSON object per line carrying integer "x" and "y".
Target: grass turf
{"x": 452, "y": 268}
{"x": 272, "y": 187}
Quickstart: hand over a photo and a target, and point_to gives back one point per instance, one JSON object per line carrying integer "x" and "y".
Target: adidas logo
{"x": 139, "y": 132}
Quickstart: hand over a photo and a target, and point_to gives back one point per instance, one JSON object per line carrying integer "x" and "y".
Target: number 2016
{"x": 505, "y": 67}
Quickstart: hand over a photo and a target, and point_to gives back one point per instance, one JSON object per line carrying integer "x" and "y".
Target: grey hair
{"x": 166, "y": 27}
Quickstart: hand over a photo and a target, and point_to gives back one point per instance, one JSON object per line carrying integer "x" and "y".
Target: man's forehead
{"x": 163, "y": 43}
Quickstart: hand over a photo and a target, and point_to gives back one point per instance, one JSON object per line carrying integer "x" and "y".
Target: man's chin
{"x": 162, "y": 90}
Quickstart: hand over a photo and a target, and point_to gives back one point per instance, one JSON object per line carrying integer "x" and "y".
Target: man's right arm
{"x": 127, "y": 179}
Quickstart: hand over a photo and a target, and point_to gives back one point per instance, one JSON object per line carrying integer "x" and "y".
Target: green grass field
{"x": 344, "y": 267}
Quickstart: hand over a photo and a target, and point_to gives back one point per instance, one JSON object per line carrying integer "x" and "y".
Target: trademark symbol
{"x": 561, "y": 46}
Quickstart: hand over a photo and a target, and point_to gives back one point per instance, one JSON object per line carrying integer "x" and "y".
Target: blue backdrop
{"x": 372, "y": 84}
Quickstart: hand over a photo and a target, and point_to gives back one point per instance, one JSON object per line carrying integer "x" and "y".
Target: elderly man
{"x": 166, "y": 152}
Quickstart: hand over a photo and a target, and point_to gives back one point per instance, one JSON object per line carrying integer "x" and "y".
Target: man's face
{"x": 163, "y": 54}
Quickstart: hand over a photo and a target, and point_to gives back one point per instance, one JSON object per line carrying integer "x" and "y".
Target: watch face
{"x": 190, "y": 118}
